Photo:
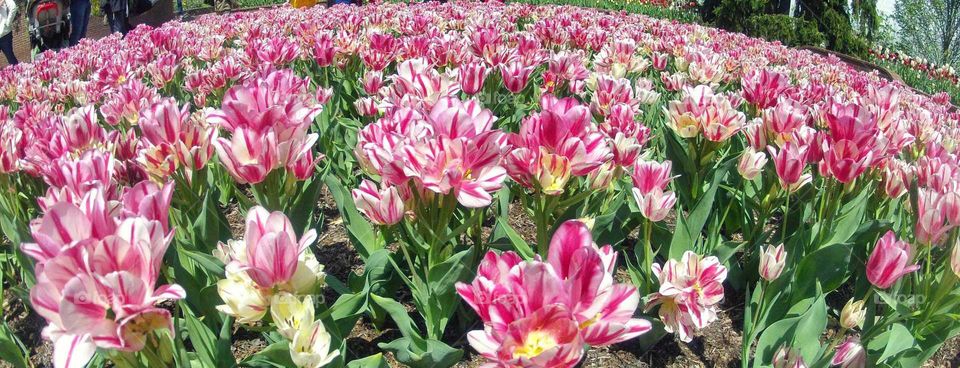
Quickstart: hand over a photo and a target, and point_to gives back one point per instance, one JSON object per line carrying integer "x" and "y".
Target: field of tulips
{"x": 467, "y": 184}
{"x": 920, "y": 74}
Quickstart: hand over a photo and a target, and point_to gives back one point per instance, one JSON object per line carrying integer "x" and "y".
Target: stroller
{"x": 48, "y": 24}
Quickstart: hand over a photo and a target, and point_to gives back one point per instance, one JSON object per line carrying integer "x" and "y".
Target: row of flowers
{"x": 705, "y": 159}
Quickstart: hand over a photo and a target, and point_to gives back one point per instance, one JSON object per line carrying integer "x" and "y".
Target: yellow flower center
{"x": 590, "y": 322}
{"x": 535, "y": 344}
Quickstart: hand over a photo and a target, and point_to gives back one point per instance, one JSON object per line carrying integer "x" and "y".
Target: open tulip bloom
{"x": 453, "y": 166}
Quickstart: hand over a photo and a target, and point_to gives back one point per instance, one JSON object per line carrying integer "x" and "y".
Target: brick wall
{"x": 161, "y": 12}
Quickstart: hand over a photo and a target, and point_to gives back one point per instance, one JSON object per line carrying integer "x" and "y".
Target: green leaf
{"x": 891, "y": 342}
{"x": 302, "y": 209}
{"x": 213, "y": 351}
{"x": 400, "y": 316}
{"x": 207, "y": 262}
{"x": 434, "y": 354}
{"x": 10, "y": 348}
{"x": 801, "y": 332}
{"x": 277, "y": 355}
{"x": 850, "y": 218}
{"x": 361, "y": 232}
{"x": 503, "y": 231}
{"x": 828, "y": 266}
{"x": 689, "y": 228}
{"x": 373, "y": 361}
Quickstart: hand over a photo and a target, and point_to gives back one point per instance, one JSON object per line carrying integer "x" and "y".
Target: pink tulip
{"x": 609, "y": 92}
{"x": 751, "y": 163}
{"x": 468, "y": 168}
{"x": 515, "y": 76}
{"x": 785, "y": 117}
{"x": 272, "y": 248}
{"x": 689, "y": 293}
{"x": 382, "y": 207}
{"x": 649, "y": 176}
{"x": 10, "y": 136}
{"x": 762, "y": 88}
{"x": 790, "y": 162}
{"x": 81, "y": 130}
{"x": 702, "y": 110}
{"x": 575, "y": 286}
{"x": 655, "y": 205}
{"x": 787, "y": 357}
{"x": 150, "y": 201}
{"x": 850, "y": 354}
{"x": 889, "y": 261}
{"x": 545, "y": 338}
{"x": 471, "y": 77}
{"x": 932, "y": 221}
{"x": 455, "y": 119}
{"x": 897, "y": 176}
{"x": 125, "y": 104}
{"x": 323, "y": 49}
{"x": 248, "y": 157}
{"x": 371, "y": 82}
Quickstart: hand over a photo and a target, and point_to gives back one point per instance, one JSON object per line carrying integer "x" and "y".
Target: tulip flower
{"x": 291, "y": 314}
{"x": 655, "y": 205}
{"x": 573, "y": 291}
{"x": 853, "y": 314}
{"x": 790, "y": 162}
{"x": 850, "y": 354}
{"x": 310, "y": 347}
{"x": 515, "y": 76}
{"x": 772, "y": 262}
{"x": 762, "y": 88}
{"x": 471, "y": 77}
{"x": 382, "y": 207}
{"x": 242, "y": 297}
{"x": 787, "y": 357}
{"x": 751, "y": 163}
{"x": 689, "y": 293}
{"x": 889, "y": 261}
{"x": 702, "y": 110}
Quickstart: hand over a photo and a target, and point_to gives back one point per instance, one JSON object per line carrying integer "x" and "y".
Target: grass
{"x": 201, "y": 4}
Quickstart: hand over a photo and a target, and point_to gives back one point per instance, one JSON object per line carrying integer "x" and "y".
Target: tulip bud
{"x": 372, "y": 81}
{"x": 850, "y": 354}
{"x": 788, "y": 357}
{"x": 471, "y": 77}
{"x": 772, "y": 261}
{"x": 366, "y": 106}
{"x": 751, "y": 163}
{"x": 852, "y": 314}
{"x": 290, "y": 314}
{"x": 324, "y": 95}
{"x": 889, "y": 261}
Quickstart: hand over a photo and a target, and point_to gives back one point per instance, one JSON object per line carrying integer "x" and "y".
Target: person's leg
{"x": 6, "y": 44}
{"x": 79, "y": 18}
{"x": 118, "y": 22}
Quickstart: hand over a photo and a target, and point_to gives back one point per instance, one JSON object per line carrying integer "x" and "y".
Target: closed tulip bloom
{"x": 471, "y": 77}
{"x": 853, "y": 314}
{"x": 787, "y": 357}
{"x": 310, "y": 347}
{"x": 371, "y": 82}
{"x": 790, "y": 162}
{"x": 889, "y": 261}
{"x": 656, "y": 205}
{"x": 648, "y": 176}
{"x": 850, "y": 354}
{"x": 751, "y": 163}
{"x": 772, "y": 261}
{"x": 381, "y": 206}
{"x": 515, "y": 76}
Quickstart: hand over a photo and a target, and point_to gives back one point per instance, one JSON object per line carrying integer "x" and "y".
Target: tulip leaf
{"x": 891, "y": 342}
{"x": 361, "y": 232}
{"x": 400, "y": 316}
{"x": 689, "y": 228}
{"x": 828, "y": 266}
{"x": 11, "y": 348}
{"x": 503, "y": 231}
{"x": 434, "y": 354}
{"x": 302, "y": 209}
{"x": 848, "y": 221}
{"x": 801, "y": 332}
{"x": 277, "y": 355}
{"x": 373, "y": 361}
{"x": 213, "y": 351}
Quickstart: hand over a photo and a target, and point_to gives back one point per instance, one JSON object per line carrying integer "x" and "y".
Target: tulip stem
{"x": 783, "y": 227}
{"x": 648, "y": 253}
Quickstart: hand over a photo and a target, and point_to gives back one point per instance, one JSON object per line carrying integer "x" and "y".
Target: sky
{"x": 886, "y": 6}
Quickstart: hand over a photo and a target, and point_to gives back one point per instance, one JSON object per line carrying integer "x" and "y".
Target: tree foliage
{"x": 930, "y": 29}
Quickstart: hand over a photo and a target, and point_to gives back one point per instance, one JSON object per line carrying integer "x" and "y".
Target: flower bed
{"x": 577, "y": 179}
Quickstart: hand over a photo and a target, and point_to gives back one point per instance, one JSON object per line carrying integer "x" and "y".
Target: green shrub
{"x": 784, "y": 28}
